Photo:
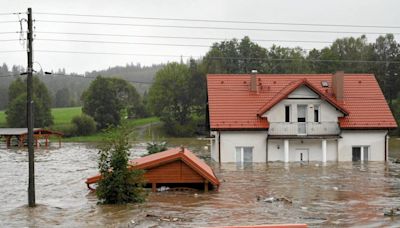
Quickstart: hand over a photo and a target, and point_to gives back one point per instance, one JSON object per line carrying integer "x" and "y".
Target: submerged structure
{"x": 18, "y": 136}
{"x": 298, "y": 117}
{"x": 177, "y": 167}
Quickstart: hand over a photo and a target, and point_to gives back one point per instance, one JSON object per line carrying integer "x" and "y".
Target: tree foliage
{"x": 119, "y": 183}
{"x": 16, "y": 109}
{"x": 84, "y": 125}
{"x": 108, "y": 100}
{"x": 169, "y": 98}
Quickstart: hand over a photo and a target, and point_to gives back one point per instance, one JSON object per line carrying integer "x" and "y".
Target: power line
{"x": 119, "y": 42}
{"x": 211, "y": 27}
{"x": 7, "y": 51}
{"x": 94, "y": 77}
{"x": 222, "y": 21}
{"x": 7, "y": 40}
{"x": 225, "y": 57}
{"x": 8, "y": 32}
{"x": 1, "y": 22}
{"x": 179, "y": 37}
{"x": 109, "y": 53}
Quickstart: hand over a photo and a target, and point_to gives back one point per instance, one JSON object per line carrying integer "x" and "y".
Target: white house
{"x": 298, "y": 117}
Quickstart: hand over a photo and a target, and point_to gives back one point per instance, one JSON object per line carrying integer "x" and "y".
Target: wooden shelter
{"x": 174, "y": 167}
{"x": 21, "y": 134}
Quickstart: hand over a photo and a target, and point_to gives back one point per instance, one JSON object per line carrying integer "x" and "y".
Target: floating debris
{"x": 276, "y": 199}
{"x": 392, "y": 212}
{"x": 165, "y": 218}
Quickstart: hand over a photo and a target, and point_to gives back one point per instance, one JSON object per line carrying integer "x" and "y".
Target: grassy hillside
{"x": 63, "y": 117}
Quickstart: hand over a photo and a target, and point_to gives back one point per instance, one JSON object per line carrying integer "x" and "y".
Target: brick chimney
{"x": 253, "y": 81}
{"x": 338, "y": 84}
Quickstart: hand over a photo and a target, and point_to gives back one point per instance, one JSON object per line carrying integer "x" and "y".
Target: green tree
{"x": 119, "y": 184}
{"x": 169, "y": 98}
{"x": 62, "y": 98}
{"x": 16, "y": 109}
{"x": 108, "y": 100}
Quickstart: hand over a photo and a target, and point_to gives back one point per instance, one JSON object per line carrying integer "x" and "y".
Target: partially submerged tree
{"x": 119, "y": 183}
{"x": 16, "y": 109}
{"x": 155, "y": 147}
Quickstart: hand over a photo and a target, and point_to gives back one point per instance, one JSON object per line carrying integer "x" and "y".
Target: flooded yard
{"x": 338, "y": 194}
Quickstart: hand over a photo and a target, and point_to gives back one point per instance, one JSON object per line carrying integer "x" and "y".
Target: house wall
{"x": 314, "y": 147}
{"x": 337, "y": 149}
{"x": 328, "y": 113}
{"x": 375, "y": 139}
{"x": 232, "y": 139}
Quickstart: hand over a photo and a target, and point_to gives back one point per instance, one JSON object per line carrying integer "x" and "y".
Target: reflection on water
{"x": 343, "y": 194}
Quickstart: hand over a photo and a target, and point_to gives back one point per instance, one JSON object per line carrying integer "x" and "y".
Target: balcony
{"x": 304, "y": 128}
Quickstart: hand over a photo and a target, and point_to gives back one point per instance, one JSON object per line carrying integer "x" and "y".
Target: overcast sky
{"x": 366, "y": 12}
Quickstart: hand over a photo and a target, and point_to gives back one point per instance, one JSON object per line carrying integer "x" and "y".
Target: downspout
{"x": 386, "y": 146}
{"x": 266, "y": 151}
{"x": 219, "y": 147}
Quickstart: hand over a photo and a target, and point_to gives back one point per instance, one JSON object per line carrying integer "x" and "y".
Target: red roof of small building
{"x": 168, "y": 156}
{"x": 233, "y": 106}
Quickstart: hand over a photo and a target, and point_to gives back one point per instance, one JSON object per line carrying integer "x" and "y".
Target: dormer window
{"x": 287, "y": 113}
{"x": 316, "y": 113}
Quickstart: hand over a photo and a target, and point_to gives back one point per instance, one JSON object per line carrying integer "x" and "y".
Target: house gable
{"x": 303, "y": 92}
{"x": 303, "y": 96}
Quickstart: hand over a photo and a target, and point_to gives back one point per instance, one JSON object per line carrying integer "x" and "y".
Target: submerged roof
{"x": 233, "y": 106}
{"x": 162, "y": 158}
{"x": 170, "y": 155}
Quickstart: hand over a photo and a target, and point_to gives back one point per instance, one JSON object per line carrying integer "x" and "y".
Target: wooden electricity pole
{"x": 31, "y": 155}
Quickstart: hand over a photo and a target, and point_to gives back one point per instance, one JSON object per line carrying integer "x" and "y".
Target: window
{"x": 287, "y": 113}
{"x": 325, "y": 84}
{"x": 244, "y": 154}
{"x": 316, "y": 113}
{"x": 359, "y": 151}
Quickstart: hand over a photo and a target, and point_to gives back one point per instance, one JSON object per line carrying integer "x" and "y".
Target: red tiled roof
{"x": 168, "y": 156}
{"x": 233, "y": 106}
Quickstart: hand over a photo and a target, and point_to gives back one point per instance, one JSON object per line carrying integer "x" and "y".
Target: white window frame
{"x": 242, "y": 153}
{"x": 319, "y": 113}
{"x": 362, "y": 148}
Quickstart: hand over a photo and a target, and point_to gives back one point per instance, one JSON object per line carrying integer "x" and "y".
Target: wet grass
{"x": 394, "y": 147}
{"x": 3, "y": 119}
{"x": 64, "y": 116}
{"x": 99, "y": 136}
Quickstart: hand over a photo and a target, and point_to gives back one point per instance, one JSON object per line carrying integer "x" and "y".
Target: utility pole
{"x": 31, "y": 155}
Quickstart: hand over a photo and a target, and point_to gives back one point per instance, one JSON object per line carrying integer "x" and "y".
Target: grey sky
{"x": 366, "y": 12}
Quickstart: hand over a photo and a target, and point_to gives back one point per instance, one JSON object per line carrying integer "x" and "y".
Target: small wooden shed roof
{"x": 160, "y": 165}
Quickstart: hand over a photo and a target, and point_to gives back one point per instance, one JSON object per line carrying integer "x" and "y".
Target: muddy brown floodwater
{"x": 338, "y": 194}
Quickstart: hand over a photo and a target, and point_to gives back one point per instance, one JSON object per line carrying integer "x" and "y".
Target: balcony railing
{"x": 304, "y": 128}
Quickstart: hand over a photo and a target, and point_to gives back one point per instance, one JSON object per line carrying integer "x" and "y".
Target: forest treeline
{"x": 66, "y": 89}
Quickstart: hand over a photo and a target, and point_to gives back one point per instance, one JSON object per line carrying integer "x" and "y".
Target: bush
{"x": 155, "y": 147}
{"x": 84, "y": 125}
{"x": 174, "y": 128}
{"x": 68, "y": 130}
{"x": 121, "y": 185}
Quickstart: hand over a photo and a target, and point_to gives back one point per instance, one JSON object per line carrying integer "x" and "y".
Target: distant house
{"x": 298, "y": 117}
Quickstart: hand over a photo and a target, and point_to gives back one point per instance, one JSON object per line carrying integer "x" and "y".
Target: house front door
{"x": 301, "y": 119}
{"x": 301, "y": 155}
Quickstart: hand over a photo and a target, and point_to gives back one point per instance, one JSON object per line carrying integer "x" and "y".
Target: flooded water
{"x": 338, "y": 194}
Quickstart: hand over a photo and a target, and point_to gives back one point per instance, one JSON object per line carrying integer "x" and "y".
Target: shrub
{"x": 84, "y": 125}
{"x": 119, "y": 184}
{"x": 155, "y": 147}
